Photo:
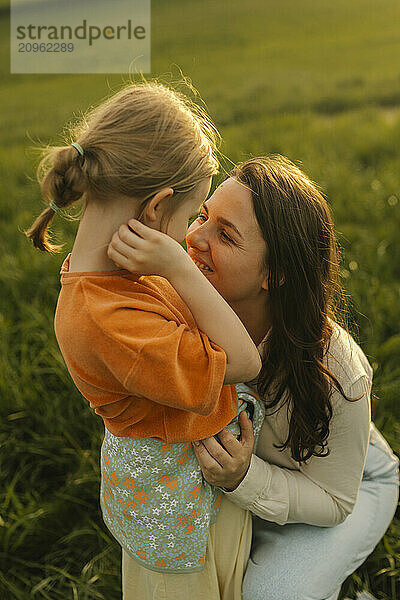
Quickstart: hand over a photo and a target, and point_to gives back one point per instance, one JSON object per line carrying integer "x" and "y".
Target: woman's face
{"x": 226, "y": 237}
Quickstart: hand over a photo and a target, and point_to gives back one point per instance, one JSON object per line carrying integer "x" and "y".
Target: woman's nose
{"x": 197, "y": 236}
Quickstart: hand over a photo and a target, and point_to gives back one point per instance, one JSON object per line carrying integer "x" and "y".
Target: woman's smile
{"x": 226, "y": 244}
{"x": 200, "y": 263}
{"x": 202, "y": 267}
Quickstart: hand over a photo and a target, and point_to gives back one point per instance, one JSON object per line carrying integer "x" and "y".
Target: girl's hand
{"x": 226, "y": 465}
{"x": 145, "y": 251}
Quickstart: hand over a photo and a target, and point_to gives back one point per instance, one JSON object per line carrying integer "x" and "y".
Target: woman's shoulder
{"x": 345, "y": 358}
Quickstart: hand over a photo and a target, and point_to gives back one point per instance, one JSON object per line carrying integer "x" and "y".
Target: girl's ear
{"x": 154, "y": 208}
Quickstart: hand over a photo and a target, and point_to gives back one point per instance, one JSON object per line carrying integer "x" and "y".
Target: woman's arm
{"x": 147, "y": 251}
{"x": 323, "y": 492}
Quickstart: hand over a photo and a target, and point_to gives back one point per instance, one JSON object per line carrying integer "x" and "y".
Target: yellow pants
{"x": 228, "y": 550}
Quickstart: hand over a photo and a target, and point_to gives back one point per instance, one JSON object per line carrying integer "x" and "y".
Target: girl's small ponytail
{"x": 62, "y": 179}
{"x": 145, "y": 137}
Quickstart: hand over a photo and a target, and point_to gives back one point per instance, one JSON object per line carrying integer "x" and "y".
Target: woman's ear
{"x": 264, "y": 284}
{"x": 153, "y": 211}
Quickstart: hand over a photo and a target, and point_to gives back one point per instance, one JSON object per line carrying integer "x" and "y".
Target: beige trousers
{"x": 228, "y": 550}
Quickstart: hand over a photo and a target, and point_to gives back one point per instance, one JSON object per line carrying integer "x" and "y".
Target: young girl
{"x": 143, "y": 352}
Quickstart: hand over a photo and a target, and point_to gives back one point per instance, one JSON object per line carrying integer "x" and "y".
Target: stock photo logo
{"x": 84, "y": 31}
{"x": 91, "y": 37}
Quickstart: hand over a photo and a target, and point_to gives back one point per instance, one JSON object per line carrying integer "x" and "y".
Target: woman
{"x": 324, "y": 482}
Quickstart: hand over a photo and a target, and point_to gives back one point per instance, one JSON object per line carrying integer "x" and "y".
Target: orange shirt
{"x": 133, "y": 350}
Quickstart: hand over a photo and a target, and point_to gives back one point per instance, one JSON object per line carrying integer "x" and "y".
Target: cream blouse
{"x": 323, "y": 490}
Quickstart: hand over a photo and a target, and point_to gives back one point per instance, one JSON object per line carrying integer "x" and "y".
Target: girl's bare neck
{"x": 83, "y": 263}
{"x": 95, "y": 231}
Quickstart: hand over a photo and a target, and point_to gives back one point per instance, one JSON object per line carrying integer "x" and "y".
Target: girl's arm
{"x": 216, "y": 319}
{"x": 143, "y": 250}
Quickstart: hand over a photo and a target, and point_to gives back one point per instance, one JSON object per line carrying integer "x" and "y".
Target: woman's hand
{"x": 226, "y": 465}
{"x": 145, "y": 251}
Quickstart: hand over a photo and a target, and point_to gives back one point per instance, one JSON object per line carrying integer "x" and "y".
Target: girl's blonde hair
{"x": 142, "y": 139}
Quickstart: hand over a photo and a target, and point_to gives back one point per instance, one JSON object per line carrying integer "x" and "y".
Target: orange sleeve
{"x": 180, "y": 368}
{"x": 161, "y": 360}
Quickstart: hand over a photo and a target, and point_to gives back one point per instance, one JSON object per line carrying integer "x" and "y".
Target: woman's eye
{"x": 193, "y": 219}
{"x": 227, "y": 238}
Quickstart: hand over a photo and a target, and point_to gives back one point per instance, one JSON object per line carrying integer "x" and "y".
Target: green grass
{"x": 316, "y": 81}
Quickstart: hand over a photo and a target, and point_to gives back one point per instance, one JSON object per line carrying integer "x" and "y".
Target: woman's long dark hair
{"x": 305, "y": 296}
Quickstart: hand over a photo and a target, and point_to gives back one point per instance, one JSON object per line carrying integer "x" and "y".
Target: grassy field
{"x": 316, "y": 81}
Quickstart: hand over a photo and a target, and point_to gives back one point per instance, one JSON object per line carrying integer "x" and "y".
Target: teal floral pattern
{"x": 155, "y": 500}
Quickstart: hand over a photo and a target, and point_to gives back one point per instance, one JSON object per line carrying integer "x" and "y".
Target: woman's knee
{"x": 286, "y": 587}
{"x": 260, "y": 583}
